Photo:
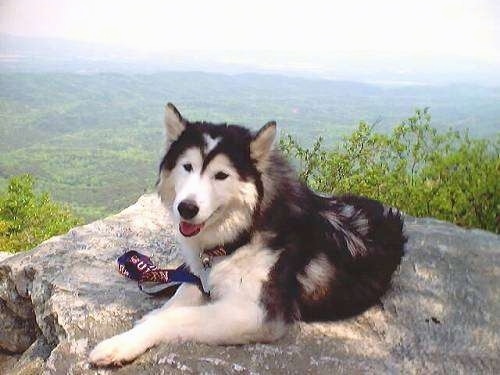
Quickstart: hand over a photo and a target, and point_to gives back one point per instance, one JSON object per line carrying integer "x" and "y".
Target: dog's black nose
{"x": 188, "y": 209}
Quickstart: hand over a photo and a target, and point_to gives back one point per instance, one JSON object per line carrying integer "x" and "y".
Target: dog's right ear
{"x": 262, "y": 143}
{"x": 174, "y": 123}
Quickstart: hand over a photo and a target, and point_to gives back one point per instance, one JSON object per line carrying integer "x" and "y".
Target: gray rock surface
{"x": 4, "y": 255}
{"x": 442, "y": 316}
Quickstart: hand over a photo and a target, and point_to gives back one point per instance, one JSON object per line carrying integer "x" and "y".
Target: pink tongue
{"x": 188, "y": 229}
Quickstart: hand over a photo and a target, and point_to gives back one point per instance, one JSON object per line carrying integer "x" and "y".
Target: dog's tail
{"x": 371, "y": 241}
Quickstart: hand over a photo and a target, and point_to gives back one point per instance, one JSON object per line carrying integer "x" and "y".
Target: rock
{"x": 58, "y": 300}
{"x": 4, "y": 255}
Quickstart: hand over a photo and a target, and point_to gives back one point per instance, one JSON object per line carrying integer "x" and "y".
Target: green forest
{"x": 93, "y": 141}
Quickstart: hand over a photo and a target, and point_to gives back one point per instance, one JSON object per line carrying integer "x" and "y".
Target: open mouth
{"x": 189, "y": 229}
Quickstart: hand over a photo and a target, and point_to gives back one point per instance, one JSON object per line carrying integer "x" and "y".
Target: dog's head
{"x": 211, "y": 177}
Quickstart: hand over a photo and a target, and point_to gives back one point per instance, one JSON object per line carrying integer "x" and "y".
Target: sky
{"x": 420, "y": 28}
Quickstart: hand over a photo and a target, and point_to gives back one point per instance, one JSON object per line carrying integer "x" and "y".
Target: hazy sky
{"x": 428, "y": 28}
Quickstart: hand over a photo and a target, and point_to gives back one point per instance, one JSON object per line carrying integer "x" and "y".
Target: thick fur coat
{"x": 292, "y": 254}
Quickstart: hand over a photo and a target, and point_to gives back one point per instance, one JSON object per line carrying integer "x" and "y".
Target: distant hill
{"x": 94, "y": 140}
{"x": 42, "y": 55}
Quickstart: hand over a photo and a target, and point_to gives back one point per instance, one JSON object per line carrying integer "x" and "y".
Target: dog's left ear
{"x": 262, "y": 142}
{"x": 174, "y": 123}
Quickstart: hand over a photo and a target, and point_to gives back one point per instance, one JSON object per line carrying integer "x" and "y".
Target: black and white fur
{"x": 299, "y": 256}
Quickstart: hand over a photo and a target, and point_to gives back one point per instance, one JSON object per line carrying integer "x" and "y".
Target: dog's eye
{"x": 221, "y": 176}
{"x": 188, "y": 167}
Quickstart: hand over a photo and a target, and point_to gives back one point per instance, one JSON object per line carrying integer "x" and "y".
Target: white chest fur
{"x": 238, "y": 275}
{"x": 243, "y": 273}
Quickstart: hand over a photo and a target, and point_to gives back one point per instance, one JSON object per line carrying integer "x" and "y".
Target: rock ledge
{"x": 58, "y": 300}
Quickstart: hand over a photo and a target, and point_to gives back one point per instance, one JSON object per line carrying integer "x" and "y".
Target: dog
{"x": 288, "y": 254}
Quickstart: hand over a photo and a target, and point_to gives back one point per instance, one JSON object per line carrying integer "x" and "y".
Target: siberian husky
{"x": 290, "y": 254}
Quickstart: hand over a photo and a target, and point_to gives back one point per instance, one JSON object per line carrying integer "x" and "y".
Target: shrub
{"x": 447, "y": 175}
{"x": 28, "y": 218}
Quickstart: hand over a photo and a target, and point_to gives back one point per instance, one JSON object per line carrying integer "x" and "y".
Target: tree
{"x": 28, "y": 218}
{"x": 423, "y": 172}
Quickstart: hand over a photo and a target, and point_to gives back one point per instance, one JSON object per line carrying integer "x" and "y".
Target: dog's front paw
{"x": 114, "y": 351}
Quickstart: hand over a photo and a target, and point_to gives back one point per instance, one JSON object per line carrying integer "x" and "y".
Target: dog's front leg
{"x": 234, "y": 321}
{"x": 186, "y": 295}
